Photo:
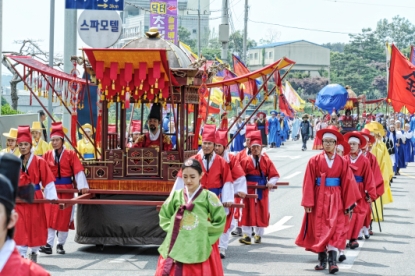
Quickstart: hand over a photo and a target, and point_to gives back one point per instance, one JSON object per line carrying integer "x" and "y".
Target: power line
{"x": 299, "y": 28}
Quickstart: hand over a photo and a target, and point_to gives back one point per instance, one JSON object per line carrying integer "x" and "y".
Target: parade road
{"x": 390, "y": 252}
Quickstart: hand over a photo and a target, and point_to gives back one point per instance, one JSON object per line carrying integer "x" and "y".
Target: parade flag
{"x": 284, "y": 105}
{"x": 293, "y": 98}
{"x": 164, "y": 17}
{"x": 401, "y": 92}
{"x": 188, "y": 51}
{"x": 249, "y": 87}
{"x": 388, "y": 52}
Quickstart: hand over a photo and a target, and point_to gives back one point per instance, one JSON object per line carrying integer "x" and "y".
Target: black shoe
{"x": 342, "y": 258}
{"x": 322, "y": 257}
{"x": 47, "y": 249}
{"x": 353, "y": 244}
{"x": 360, "y": 238}
{"x": 59, "y": 249}
{"x": 367, "y": 237}
{"x": 237, "y": 232}
{"x": 245, "y": 240}
{"x": 333, "y": 268}
{"x": 257, "y": 239}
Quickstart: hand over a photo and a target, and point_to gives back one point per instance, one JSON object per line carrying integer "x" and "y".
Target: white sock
{"x": 62, "y": 237}
{"x": 361, "y": 233}
{"x": 51, "y": 236}
{"x": 247, "y": 230}
{"x": 22, "y": 250}
{"x": 365, "y": 231}
{"x": 341, "y": 252}
{"x": 35, "y": 249}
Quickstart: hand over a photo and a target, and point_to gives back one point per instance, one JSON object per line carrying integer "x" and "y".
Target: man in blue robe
{"x": 274, "y": 129}
{"x": 239, "y": 140}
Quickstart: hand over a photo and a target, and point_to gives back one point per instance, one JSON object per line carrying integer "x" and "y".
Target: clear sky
{"x": 30, "y": 18}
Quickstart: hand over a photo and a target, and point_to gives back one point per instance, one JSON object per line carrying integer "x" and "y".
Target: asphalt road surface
{"x": 390, "y": 252}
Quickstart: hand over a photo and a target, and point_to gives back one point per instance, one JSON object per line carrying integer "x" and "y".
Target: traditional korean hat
{"x": 221, "y": 137}
{"x": 282, "y": 114}
{"x": 330, "y": 132}
{"x": 65, "y": 130}
{"x": 249, "y": 129}
{"x": 273, "y": 112}
{"x": 135, "y": 127}
{"x": 208, "y": 134}
{"x": 9, "y": 179}
{"x": 305, "y": 116}
{"x": 355, "y": 136}
{"x": 263, "y": 114}
{"x": 36, "y": 126}
{"x": 12, "y": 133}
{"x": 153, "y": 32}
{"x": 369, "y": 137}
{"x": 344, "y": 146}
{"x": 86, "y": 127}
{"x": 256, "y": 138}
{"x": 57, "y": 130}
{"x": 23, "y": 134}
{"x": 155, "y": 111}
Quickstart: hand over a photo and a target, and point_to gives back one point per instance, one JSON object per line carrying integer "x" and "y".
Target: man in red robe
{"x": 364, "y": 179}
{"x": 239, "y": 185}
{"x": 259, "y": 170}
{"x": 151, "y": 139}
{"x": 377, "y": 177}
{"x": 11, "y": 263}
{"x": 326, "y": 186}
{"x": 217, "y": 176}
{"x": 66, "y": 167}
{"x": 31, "y": 228}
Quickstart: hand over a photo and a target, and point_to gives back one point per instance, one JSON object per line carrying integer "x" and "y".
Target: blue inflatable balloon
{"x": 332, "y": 96}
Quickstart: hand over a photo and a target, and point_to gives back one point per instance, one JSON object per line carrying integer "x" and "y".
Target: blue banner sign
{"x": 104, "y": 5}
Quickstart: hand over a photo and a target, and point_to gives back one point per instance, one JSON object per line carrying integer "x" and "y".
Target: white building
{"x": 137, "y": 20}
{"x": 308, "y": 56}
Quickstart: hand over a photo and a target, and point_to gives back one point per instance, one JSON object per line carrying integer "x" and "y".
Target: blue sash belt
{"x": 359, "y": 179}
{"x": 330, "y": 182}
{"x": 261, "y": 127}
{"x": 88, "y": 155}
{"x": 63, "y": 180}
{"x": 37, "y": 187}
{"x": 261, "y": 180}
{"x": 217, "y": 191}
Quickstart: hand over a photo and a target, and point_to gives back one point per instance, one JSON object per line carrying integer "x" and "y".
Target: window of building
{"x": 194, "y": 31}
{"x": 256, "y": 56}
{"x": 270, "y": 55}
{"x": 250, "y": 56}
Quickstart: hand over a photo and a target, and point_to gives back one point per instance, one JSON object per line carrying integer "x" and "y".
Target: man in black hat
{"x": 11, "y": 261}
{"x": 152, "y": 138}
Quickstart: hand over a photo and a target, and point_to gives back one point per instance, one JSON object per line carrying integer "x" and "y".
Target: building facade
{"x": 308, "y": 56}
{"x": 136, "y": 21}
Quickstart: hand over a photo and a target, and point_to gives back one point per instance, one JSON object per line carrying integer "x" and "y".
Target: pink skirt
{"x": 211, "y": 267}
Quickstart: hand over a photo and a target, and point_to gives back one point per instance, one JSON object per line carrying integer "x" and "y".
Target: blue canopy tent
{"x": 332, "y": 96}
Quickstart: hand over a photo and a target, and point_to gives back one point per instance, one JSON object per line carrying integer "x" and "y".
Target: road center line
{"x": 291, "y": 175}
{"x": 278, "y": 226}
{"x": 123, "y": 258}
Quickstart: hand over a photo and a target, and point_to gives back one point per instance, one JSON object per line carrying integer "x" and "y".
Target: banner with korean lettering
{"x": 164, "y": 17}
{"x": 401, "y": 92}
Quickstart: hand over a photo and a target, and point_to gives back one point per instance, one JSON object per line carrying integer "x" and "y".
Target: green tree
{"x": 366, "y": 45}
{"x": 236, "y": 43}
{"x": 184, "y": 36}
{"x": 399, "y": 31}
{"x": 6, "y": 109}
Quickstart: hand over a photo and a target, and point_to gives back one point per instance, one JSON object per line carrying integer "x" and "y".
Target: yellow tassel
{"x": 108, "y": 104}
{"x": 160, "y": 95}
{"x": 122, "y": 105}
{"x": 141, "y": 85}
{"x": 136, "y": 90}
{"x": 25, "y": 87}
{"x": 128, "y": 89}
{"x": 145, "y": 96}
{"x": 164, "y": 104}
{"x": 102, "y": 97}
{"x": 151, "y": 90}
{"x": 139, "y": 103}
{"x": 157, "y": 83}
{"x": 241, "y": 104}
{"x": 39, "y": 93}
{"x": 106, "y": 90}
{"x": 113, "y": 85}
{"x": 118, "y": 98}
{"x": 156, "y": 100}
{"x": 99, "y": 84}
{"x": 122, "y": 91}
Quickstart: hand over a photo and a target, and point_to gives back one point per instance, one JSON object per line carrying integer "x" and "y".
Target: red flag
{"x": 401, "y": 92}
{"x": 284, "y": 105}
{"x": 240, "y": 69}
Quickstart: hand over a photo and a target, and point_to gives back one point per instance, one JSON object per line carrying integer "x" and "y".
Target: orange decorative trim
{"x": 131, "y": 185}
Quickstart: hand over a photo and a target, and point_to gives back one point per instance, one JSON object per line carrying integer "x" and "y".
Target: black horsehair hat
{"x": 9, "y": 180}
{"x": 155, "y": 111}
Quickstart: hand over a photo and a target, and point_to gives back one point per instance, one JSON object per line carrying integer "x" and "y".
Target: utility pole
{"x": 51, "y": 55}
{"x": 245, "y": 32}
{"x": 69, "y": 50}
{"x": 224, "y": 31}
{"x": 198, "y": 28}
